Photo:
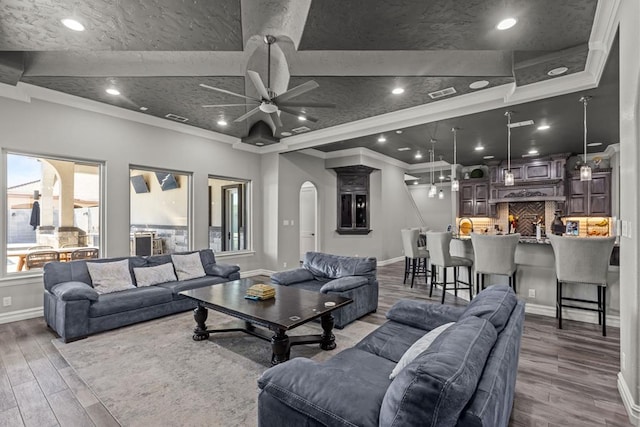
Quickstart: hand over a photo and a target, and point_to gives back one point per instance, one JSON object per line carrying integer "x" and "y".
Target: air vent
{"x": 522, "y": 123}
{"x": 300, "y": 129}
{"x": 176, "y": 118}
{"x": 444, "y": 92}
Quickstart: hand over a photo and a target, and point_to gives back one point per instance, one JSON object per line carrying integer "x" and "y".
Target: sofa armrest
{"x": 325, "y": 394}
{"x": 291, "y": 276}
{"x": 344, "y": 284}
{"x": 221, "y": 269}
{"x": 72, "y": 291}
{"x": 423, "y": 315}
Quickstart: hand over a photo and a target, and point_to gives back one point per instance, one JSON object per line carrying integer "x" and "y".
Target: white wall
{"x": 40, "y": 127}
{"x": 436, "y": 213}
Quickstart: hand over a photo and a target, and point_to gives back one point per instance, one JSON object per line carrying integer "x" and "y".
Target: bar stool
{"x": 495, "y": 255}
{"x": 438, "y": 245}
{"x": 582, "y": 260}
{"x": 415, "y": 258}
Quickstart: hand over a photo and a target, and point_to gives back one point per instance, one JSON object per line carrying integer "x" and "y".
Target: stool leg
{"x": 559, "y": 304}
{"x": 470, "y": 285}
{"x": 514, "y": 282}
{"x": 413, "y": 271}
{"x": 406, "y": 269}
{"x": 477, "y": 283}
{"x": 455, "y": 281}
{"x": 433, "y": 277}
{"x": 444, "y": 283}
{"x": 604, "y": 311}
{"x": 599, "y": 305}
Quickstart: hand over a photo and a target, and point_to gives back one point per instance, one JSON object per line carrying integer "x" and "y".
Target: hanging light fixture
{"x": 455, "y": 184}
{"x": 509, "y": 179}
{"x": 585, "y": 170}
{"x": 433, "y": 190}
{"x": 441, "y": 178}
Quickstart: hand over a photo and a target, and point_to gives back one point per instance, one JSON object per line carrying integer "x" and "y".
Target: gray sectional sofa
{"x": 465, "y": 378}
{"x": 345, "y": 276}
{"x": 74, "y": 309}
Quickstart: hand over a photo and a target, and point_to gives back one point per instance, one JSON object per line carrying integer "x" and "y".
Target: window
{"x": 160, "y": 211}
{"x": 228, "y": 228}
{"x": 53, "y": 205}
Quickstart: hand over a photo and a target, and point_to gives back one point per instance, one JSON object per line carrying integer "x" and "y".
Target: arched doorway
{"x": 308, "y": 218}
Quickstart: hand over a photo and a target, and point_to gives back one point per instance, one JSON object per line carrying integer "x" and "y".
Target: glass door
{"x": 232, "y": 224}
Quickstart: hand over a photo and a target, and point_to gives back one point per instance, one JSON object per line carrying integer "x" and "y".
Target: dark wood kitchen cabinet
{"x": 590, "y": 198}
{"x": 474, "y": 198}
{"x": 353, "y": 199}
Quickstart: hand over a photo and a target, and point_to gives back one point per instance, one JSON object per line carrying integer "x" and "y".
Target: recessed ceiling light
{"x": 479, "y": 148}
{"x": 594, "y": 144}
{"x": 506, "y": 23}
{"x": 488, "y": 157}
{"x": 557, "y": 71}
{"x": 259, "y": 144}
{"x": 72, "y": 24}
{"x": 112, "y": 91}
{"x": 302, "y": 118}
{"x": 441, "y": 177}
{"x": 415, "y": 182}
{"x": 418, "y": 156}
{"x": 533, "y": 151}
{"x": 404, "y": 149}
{"x": 143, "y": 108}
{"x": 397, "y": 91}
{"x": 381, "y": 138}
{"x": 543, "y": 127}
{"x": 479, "y": 84}
{"x": 285, "y": 133}
{"x": 398, "y": 131}
{"x": 222, "y": 122}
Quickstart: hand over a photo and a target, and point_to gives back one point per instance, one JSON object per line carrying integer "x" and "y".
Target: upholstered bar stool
{"x": 495, "y": 255}
{"x": 438, "y": 245}
{"x": 583, "y": 260}
{"x": 415, "y": 258}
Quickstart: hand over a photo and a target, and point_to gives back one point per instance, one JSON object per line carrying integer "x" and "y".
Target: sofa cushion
{"x": 291, "y": 276}
{"x": 336, "y": 266}
{"x": 185, "y": 285}
{"x": 220, "y": 269}
{"x": 148, "y": 276}
{"x": 495, "y": 304}
{"x": 390, "y": 340}
{"x": 434, "y": 388}
{"x": 131, "y": 299}
{"x": 188, "y": 266}
{"x": 110, "y": 277}
{"x": 418, "y": 347}
{"x": 423, "y": 314}
{"x": 71, "y": 291}
{"x": 343, "y": 284}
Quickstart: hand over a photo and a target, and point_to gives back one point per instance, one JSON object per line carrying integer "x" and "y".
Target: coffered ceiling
{"x": 158, "y": 52}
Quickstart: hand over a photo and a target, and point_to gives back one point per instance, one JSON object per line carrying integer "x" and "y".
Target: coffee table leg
{"x": 328, "y": 339}
{"x": 280, "y": 347}
{"x": 200, "y": 314}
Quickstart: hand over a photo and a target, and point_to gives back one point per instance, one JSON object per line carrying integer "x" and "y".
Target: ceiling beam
{"x": 11, "y": 67}
{"x": 307, "y": 63}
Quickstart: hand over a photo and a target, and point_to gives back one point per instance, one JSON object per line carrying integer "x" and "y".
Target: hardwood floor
{"x": 565, "y": 377}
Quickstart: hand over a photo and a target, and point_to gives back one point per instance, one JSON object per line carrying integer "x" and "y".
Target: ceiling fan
{"x": 271, "y": 103}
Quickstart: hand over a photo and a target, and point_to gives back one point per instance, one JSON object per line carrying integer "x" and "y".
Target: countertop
{"x": 523, "y": 239}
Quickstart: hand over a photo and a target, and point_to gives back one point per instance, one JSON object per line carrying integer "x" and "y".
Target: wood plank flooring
{"x": 565, "y": 377}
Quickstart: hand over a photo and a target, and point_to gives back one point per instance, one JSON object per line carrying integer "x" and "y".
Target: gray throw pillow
{"x": 418, "y": 347}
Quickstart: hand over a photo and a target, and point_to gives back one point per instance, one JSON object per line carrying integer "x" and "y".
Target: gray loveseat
{"x": 345, "y": 276}
{"x": 74, "y": 309}
{"x": 465, "y": 378}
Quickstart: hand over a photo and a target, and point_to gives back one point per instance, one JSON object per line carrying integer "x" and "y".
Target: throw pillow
{"x": 188, "y": 266}
{"x": 110, "y": 277}
{"x": 147, "y": 276}
{"x": 418, "y": 347}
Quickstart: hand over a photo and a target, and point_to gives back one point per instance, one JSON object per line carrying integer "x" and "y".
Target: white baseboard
{"x": 633, "y": 409}
{"x": 257, "y": 272}
{"x": 571, "y": 314}
{"x": 14, "y": 316}
{"x": 390, "y": 261}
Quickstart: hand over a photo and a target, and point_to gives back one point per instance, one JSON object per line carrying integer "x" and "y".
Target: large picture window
{"x": 228, "y": 228}
{"x": 160, "y": 211}
{"x": 53, "y": 209}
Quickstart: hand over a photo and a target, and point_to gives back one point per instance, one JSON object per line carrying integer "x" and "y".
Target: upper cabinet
{"x": 590, "y": 198}
{"x": 353, "y": 199}
{"x": 542, "y": 169}
{"x": 474, "y": 198}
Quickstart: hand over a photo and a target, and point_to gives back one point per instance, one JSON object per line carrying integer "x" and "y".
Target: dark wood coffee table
{"x": 290, "y": 308}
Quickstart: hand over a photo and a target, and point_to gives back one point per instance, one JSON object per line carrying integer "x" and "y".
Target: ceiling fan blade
{"x": 228, "y": 92}
{"x": 224, "y": 105}
{"x": 257, "y": 83}
{"x": 298, "y": 113}
{"x": 298, "y": 90}
{"x": 276, "y": 119}
{"x": 307, "y": 104}
{"x": 249, "y": 114}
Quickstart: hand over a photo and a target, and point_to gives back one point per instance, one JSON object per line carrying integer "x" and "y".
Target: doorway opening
{"x": 308, "y": 218}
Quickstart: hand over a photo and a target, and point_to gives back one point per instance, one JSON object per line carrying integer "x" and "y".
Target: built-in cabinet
{"x": 474, "y": 198}
{"x": 590, "y": 198}
{"x": 353, "y": 199}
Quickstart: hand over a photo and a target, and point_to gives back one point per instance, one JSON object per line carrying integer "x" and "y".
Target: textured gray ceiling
{"x": 158, "y": 51}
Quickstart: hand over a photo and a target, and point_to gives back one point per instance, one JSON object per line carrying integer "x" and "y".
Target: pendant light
{"x": 455, "y": 184}
{"x": 585, "y": 170}
{"x": 432, "y": 157}
{"x": 509, "y": 179}
{"x": 441, "y": 177}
